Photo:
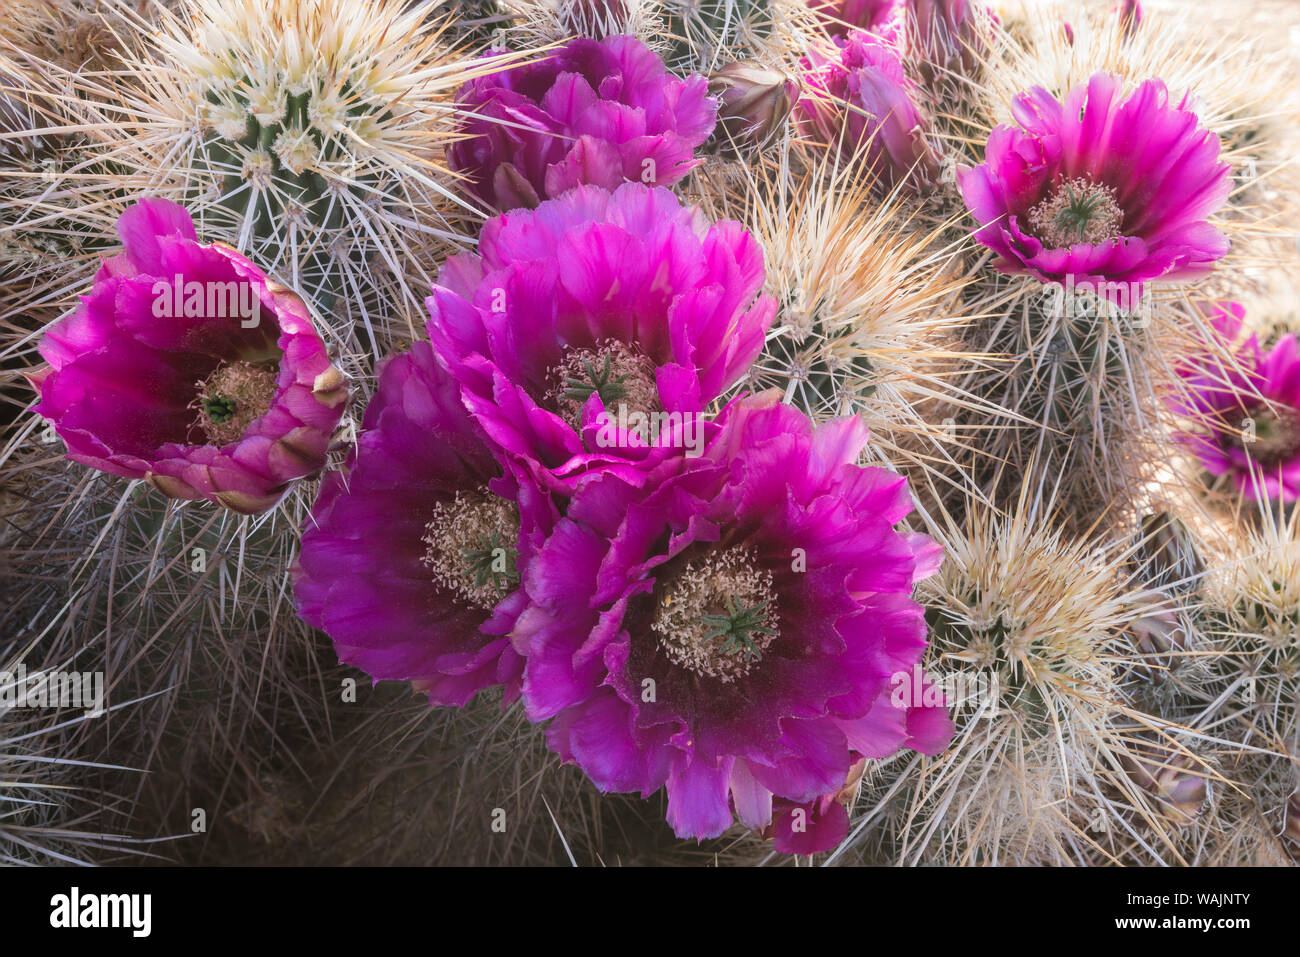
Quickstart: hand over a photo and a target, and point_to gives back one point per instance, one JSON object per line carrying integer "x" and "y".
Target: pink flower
{"x": 575, "y": 318}
{"x": 597, "y": 112}
{"x": 731, "y": 634}
{"x": 186, "y": 366}
{"x": 411, "y": 560}
{"x": 859, "y": 102}
{"x": 1101, "y": 187}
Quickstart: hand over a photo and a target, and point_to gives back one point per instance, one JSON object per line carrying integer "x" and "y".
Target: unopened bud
{"x": 753, "y": 105}
{"x": 1159, "y": 635}
{"x": 1130, "y": 15}
{"x": 948, "y": 35}
{"x": 1172, "y": 777}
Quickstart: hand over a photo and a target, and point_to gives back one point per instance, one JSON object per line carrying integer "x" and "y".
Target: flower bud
{"x": 859, "y": 101}
{"x": 948, "y": 36}
{"x": 753, "y": 105}
{"x": 1173, "y": 778}
{"x": 1130, "y": 15}
{"x": 1160, "y": 636}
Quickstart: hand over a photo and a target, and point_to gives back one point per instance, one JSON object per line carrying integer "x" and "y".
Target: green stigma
{"x": 218, "y": 408}
{"x": 605, "y": 382}
{"x": 716, "y": 615}
{"x": 1077, "y": 211}
{"x": 740, "y": 629}
{"x": 473, "y": 550}
{"x": 492, "y": 565}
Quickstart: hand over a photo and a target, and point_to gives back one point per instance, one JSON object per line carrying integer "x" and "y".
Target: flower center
{"x": 1077, "y": 211}
{"x": 717, "y": 616}
{"x": 473, "y": 547}
{"x": 613, "y": 370}
{"x": 1276, "y": 439}
{"x": 231, "y": 398}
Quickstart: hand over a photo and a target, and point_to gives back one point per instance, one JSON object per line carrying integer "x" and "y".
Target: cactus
{"x": 1025, "y": 625}
{"x": 865, "y": 323}
{"x": 307, "y": 135}
{"x": 704, "y": 34}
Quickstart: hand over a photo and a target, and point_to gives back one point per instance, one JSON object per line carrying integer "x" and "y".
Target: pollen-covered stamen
{"x": 231, "y": 398}
{"x": 717, "y": 616}
{"x": 1077, "y": 211}
{"x": 614, "y": 370}
{"x": 473, "y": 547}
{"x": 1276, "y": 436}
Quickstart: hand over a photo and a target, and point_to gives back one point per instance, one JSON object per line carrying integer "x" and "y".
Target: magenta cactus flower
{"x": 857, "y": 100}
{"x": 593, "y": 331}
{"x": 841, "y": 17}
{"x": 1103, "y": 187}
{"x": 411, "y": 560}
{"x": 1249, "y": 410}
{"x": 597, "y": 112}
{"x": 730, "y": 634}
{"x": 187, "y": 367}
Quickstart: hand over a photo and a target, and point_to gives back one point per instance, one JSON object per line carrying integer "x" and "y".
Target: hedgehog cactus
{"x": 307, "y": 135}
{"x": 1254, "y": 610}
{"x": 1065, "y": 376}
{"x": 704, "y": 34}
{"x": 1025, "y": 629}
{"x": 865, "y": 324}
{"x": 1026, "y": 289}
{"x": 275, "y": 137}
{"x": 290, "y": 139}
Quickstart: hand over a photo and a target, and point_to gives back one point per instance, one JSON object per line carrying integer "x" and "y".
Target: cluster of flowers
{"x": 541, "y": 497}
{"x": 560, "y": 494}
{"x": 1098, "y": 189}
{"x": 713, "y": 605}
